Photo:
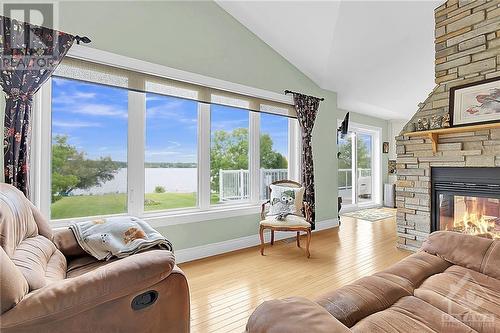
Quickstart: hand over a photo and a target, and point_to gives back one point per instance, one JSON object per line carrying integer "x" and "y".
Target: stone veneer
{"x": 467, "y": 50}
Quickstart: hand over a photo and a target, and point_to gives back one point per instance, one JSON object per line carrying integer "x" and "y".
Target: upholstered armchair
{"x": 292, "y": 223}
{"x": 48, "y": 284}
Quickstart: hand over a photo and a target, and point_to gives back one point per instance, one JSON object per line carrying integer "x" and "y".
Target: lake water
{"x": 182, "y": 180}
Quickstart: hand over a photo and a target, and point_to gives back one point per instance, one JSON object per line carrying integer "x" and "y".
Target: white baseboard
{"x": 203, "y": 251}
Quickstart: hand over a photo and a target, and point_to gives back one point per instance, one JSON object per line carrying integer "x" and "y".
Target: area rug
{"x": 373, "y": 214}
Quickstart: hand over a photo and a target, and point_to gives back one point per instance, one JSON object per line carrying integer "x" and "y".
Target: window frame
{"x": 42, "y": 145}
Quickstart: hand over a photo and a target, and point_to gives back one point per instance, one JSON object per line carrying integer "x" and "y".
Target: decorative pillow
{"x": 286, "y": 200}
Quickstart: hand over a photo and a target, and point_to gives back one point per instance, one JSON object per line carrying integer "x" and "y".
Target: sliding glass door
{"x": 364, "y": 181}
{"x": 358, "y": 174}
{"x": 345, "y": 167}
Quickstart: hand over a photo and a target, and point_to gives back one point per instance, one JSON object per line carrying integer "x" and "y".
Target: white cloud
{"x": 229, "y": 125}
{"x": 99, "y": 110}
{"x": 170, "y": 110}
{"x": 150, "y": 97}
{"x": 173, "y": 144}
{"x": 102, "y": 110}
{"x": 72, "y": 98}
{"x": 161, "y": 152}
{"x": 75, "y": 124}
{"x": 86, "y": 95}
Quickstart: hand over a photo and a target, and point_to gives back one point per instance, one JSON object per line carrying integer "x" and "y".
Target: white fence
{"x": 235, "y": 184}
{"x": 345, "y": 178}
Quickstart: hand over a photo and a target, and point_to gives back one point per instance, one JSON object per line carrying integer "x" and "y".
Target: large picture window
{"x": 171, "y": 165}
{"x": 229, "y": 152}
{"x": 124, "y": 142}
{"x": 273, "y": 151}
{"x": 89, "y": 149}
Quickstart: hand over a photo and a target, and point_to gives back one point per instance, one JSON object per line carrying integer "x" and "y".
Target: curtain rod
{"x": 293, "y": 92}
{"x": 83, "y": 39}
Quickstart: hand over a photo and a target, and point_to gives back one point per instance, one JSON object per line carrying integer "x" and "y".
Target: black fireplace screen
{"x": 470, "y": 214}
{"x": 466, "y": 200}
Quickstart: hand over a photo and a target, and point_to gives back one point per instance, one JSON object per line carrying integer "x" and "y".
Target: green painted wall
{"x": 200, "y": 37}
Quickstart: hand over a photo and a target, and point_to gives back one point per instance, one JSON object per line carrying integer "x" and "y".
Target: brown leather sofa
{"x": 451, "y": 285}
{"x": 48, "y": 284}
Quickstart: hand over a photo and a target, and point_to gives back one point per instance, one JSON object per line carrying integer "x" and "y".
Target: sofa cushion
{"x": 361, "y": 298}
{"x": 459, "y": 249}
{"x": 470, "y": 296}
{"x": 368, "y": 295}
{"x": 13, "y": 285}
{"x": 292, "y": 315}
{"x": 410, "y": 314}
{"x": 491, "y": 261}
{"x": 39, "y": 261}
{"x": 414, "y": 269}
{"x": 16, "y": 221}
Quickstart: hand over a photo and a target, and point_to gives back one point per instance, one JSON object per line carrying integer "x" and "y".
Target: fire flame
{"x": 474, "y": 221}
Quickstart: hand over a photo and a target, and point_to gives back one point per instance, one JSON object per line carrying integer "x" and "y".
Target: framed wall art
{"x": 385, "y": 147}
{"x": 475, "y": 103}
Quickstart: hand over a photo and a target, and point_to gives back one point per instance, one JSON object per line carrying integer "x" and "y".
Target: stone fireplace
{"x": 451, "y": 180}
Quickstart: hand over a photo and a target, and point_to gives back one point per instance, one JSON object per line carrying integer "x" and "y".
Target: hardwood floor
{"x": 225, "y": 289}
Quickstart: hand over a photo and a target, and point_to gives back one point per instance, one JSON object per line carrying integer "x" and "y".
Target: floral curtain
{"x": 30, "y": 54}
{"x": 307, "y": 108}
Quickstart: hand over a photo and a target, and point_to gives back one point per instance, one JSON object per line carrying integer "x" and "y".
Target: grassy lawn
{"x": 91, "y": 205}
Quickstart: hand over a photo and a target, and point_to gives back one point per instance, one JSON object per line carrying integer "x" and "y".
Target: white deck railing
{"x": 345, "y": 178}
{"x": 235, "y": 184}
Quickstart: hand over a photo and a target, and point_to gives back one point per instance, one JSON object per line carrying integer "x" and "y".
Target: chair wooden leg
{"x": 298, "y": 238}
{"x": 261, "y": 233}
{"x": 308, "y": 243}
{"x": 272, "y": 237}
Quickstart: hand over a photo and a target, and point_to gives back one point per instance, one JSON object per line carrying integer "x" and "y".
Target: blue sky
{"x": 94, "y": 117}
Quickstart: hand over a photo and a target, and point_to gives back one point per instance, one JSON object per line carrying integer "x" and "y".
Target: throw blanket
{"x": 118, "y": 236}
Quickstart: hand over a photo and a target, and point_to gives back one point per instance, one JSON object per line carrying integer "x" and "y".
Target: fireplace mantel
{"x": 433, "y": 134}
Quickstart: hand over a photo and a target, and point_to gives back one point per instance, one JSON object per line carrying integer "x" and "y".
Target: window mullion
{"x": 41, "y": 148}
{"x": 203, "y": 155}
{"x": 254, "y": 156}
{"x": 294, "y": 150}
{"x": 135, "y": 152}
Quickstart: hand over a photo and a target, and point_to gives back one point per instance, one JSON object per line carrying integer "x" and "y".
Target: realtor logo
{"x": 40, "y": 14}
{"x": 468, "y": 291}
{"x": 20, "y": 37}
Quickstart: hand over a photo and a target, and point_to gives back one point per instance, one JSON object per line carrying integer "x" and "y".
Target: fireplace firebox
{"x": 466, "y": 200}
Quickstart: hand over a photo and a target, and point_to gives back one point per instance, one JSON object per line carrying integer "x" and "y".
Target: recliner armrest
{"x": 65, "y": 241}
{"x": 293, "y": 315}
{"x": 73, "y": 295}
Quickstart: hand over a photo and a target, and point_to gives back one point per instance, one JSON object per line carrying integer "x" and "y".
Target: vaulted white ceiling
{"x": 377, "y": 55}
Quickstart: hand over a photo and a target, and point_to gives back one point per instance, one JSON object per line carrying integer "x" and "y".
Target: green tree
{"x": 72, "y": 170}
{"x": 269, "y": 158}
{"x": 229, "y": 151}
{"x": 363, "y": 154}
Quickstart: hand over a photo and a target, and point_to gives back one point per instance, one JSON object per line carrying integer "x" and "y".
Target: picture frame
{"x": 385, "y": 147}
{"x": 475, "y": 103}
{"x": 391, "y": 167}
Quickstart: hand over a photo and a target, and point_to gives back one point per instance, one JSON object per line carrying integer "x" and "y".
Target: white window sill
{"x": 166, "y": 218}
